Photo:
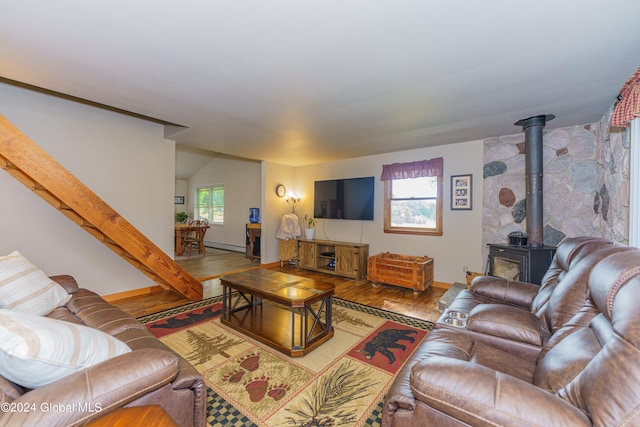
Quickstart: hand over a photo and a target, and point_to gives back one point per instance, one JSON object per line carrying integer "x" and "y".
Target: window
{"x": 413, "y": 197}
{"x": 210, "y": 203}
{"x": 413, "y": 205}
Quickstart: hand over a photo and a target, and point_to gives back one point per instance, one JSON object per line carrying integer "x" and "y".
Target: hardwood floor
{"x": 215, "y": 263}
{"x": 209, "y": 268}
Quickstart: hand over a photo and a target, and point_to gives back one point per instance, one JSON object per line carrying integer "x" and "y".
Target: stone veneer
{"x": 586, "y": 184}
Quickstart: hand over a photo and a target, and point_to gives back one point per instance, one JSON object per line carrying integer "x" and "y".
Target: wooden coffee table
{"x": 291, "y": 314}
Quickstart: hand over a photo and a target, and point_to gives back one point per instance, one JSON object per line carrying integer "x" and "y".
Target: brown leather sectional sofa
{"x": 561, "y": 354}
{"x": 151, "y": 374}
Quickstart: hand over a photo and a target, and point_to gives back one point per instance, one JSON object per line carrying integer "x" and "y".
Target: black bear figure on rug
{"x": 385, "y": 340}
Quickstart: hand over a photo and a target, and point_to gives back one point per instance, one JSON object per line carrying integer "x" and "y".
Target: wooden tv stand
{"x": 333, "y": 257}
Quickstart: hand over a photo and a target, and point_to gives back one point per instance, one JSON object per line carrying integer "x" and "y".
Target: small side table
{"x": 135, "y": 416}
{"x": 254, "y": 231}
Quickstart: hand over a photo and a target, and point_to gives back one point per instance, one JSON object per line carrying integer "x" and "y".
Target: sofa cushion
{"x": 25, "y": 288}
{"x": 93, "y": 311}
{"x": 564, "y": 361}
{"x": 36, "y": 350}
{"x": 506, "y": 322}
{"x": 454, "y": 344}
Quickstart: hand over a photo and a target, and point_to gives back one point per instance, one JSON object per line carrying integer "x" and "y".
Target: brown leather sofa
{"x": 584, "y": 373}
{"x": 521, "y": 316}
{"x": 151, "y": 374}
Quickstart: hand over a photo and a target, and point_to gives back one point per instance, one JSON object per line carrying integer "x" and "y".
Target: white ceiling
{"x": 305, "y": 81}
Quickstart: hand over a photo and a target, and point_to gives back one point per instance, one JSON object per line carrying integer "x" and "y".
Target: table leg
{"x": 300, "y": 335}
{"x": 325, "y": 306}
{"x": 178, "y": 242}
{"x": 225, "y": 303}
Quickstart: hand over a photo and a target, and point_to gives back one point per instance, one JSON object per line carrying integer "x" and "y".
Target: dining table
{"x": 181, "y": 228}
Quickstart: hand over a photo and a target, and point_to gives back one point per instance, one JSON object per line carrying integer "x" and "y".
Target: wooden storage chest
{"x": 401, "y": 270}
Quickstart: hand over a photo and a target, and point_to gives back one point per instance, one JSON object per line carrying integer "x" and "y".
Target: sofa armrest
{"x": 95, "y": 391}
{"x": 400, "y": 395}
{"x": 477, "y": 395}
{"x": 67, "y": 282}
{"x": 505, "y": 291}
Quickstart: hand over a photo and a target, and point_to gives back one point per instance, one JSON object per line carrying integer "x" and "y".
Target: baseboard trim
{"x": 441, "y": 285}
{"x": 271, "y": 265}
{"x": 132, "y": 293}
{"x": 225, "y": 247}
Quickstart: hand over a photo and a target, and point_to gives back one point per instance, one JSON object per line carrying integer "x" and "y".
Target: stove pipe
{"x": 532, "y": 128}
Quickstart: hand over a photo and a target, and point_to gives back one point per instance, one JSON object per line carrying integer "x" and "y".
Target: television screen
{"x": 350, "y": 198}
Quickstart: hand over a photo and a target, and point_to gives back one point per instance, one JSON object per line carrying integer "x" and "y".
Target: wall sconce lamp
{"x": 292, "y": 202}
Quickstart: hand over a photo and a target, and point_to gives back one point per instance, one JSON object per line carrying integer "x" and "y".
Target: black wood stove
{"x": 527, "y": 263}
{"x": 523, "y": 263}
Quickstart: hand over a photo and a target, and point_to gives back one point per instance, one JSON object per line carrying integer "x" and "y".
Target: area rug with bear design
{"x": 343, "y": 382}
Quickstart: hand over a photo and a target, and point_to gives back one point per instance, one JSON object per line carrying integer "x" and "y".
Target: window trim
{"x": 210, "y": 187}
{"x": 388, "y": 228}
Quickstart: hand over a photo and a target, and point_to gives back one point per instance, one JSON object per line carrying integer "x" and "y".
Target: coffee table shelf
{"x": 289, "y": 313}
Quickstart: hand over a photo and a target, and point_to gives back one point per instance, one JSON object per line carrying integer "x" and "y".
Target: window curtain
{"x": 628, "y": 108}
{"x": 418, "y": 169}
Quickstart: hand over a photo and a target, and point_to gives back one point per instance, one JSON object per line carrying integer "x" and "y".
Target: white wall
{"x": 124, "y": 160}
{"x": 242, "y": 190}
{"x": 180, "y": 189}
{"x": 460, "y": 244}
{"x": 274, "y": 207}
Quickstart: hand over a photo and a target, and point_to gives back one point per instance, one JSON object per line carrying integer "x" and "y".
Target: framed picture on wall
{"x": 461, "y": 192}
{"x": 179, "y": 200}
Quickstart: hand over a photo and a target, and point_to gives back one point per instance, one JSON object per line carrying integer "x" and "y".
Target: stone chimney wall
{"x": 586, "y": 184}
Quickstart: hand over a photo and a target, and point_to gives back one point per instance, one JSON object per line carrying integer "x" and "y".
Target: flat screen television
{"x": 350, "y": 198}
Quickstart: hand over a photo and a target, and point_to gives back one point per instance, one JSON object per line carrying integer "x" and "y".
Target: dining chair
{"x": 194, "y": 236}
{"x": 180, "y": 234}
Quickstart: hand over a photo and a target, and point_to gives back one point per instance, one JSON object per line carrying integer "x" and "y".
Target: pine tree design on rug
{"x": 204, "y": 346}
{"x": 340, "y": 315}
{"x": 328, "y": 402}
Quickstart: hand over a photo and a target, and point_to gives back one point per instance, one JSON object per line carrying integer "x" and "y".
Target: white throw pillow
{"x": 36, "y": 350}
{"x": 25, "y": 288}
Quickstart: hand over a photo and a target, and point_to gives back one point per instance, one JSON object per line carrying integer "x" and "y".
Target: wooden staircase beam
{"x": 31, "y": 165}
{"x": 31, "y": 184}
{"x": 51, "y": 199}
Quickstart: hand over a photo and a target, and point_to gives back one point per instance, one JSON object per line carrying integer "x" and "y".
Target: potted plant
{"x": 180, "y": 217}
{"x": 309, "y": 231}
